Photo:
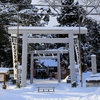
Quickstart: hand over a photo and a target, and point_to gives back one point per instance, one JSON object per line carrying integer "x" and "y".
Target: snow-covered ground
{"x": 63, "y": 91}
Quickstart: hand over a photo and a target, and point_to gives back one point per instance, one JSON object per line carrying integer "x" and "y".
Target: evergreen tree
{"x": 70, "y": 15}
{"x": 22, "y": 13}
{"x": 5, "y": 48}
{"x": 90, "y": 42}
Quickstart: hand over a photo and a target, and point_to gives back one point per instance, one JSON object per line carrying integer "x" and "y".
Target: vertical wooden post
{"x": 31, "y": 69}
{"x": 4, "y": 86}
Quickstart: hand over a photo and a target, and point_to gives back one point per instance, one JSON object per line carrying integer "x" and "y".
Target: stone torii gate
{"x": 46, "y": 30}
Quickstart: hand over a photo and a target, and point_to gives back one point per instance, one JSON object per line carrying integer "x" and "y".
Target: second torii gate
{"x": 57, "y": 52}
{"x": 46, "y": 30}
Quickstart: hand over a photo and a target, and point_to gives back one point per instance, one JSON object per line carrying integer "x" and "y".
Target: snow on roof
{"x": 19, "y": 67}
{"x": 4, "y": 70}
{"x": 49, "y": 62}
{"x": 95, "y": 75}
{"x": 93, "y": 79}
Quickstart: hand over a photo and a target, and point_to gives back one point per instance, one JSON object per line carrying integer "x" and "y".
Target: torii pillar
{"x": 24, "y": 59}
{"x": 72, "y": 58}
{"x": 31, "y": 69}
{"x": 59, "y": 67}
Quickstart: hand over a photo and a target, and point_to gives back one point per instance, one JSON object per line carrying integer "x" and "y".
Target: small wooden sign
{"x": 1, "y": 77}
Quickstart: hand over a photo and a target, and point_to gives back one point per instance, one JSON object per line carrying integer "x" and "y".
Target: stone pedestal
{"x": 94, "y": 80}
{"x": 93, "y": 64}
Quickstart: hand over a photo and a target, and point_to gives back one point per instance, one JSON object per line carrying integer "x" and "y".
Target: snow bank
{"x": 63, "y": 91}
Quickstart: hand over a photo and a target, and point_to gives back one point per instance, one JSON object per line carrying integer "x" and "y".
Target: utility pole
{"x": 80, "y": 67}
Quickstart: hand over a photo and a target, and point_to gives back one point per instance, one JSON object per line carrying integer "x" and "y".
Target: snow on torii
{"x": 47, "y": 30}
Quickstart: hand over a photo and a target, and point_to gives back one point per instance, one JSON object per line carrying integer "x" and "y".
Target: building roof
{"x": 49, "y": 62}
